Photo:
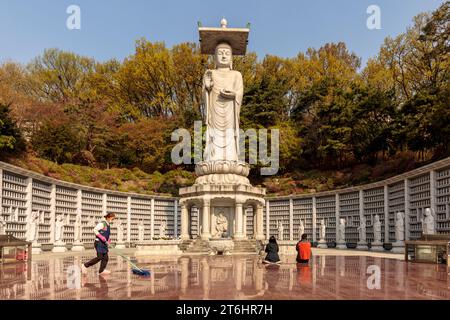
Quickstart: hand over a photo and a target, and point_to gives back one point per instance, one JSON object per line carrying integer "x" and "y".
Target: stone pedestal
{"x": 362, "y": 246}
{"x": 222, "y": 188}
{"x": 341, "y": 245}
{"x": 158, "y": 247}
{"x": 77, "y": 246}
{"x": 120, "y": 245}
{"x": 59, "y": 247}
{"x": 398, "y": 247}
{"x": 36, "y": 248}
{"x": 225, "y": 246}
{"x": 322, "y": 244}
{"x": 376, "y": 246}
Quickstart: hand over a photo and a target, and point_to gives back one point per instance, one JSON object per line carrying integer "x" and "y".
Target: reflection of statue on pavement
{"x": 221, "y": 225}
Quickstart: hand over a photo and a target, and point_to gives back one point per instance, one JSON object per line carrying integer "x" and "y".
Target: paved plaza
{"x": 331, "y": 274}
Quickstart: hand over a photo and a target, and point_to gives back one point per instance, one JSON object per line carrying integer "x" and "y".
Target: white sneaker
{"x": 105, "y": 272}
{"x": 83, "y": 268}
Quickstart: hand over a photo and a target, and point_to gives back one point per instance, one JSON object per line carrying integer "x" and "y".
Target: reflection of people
{"x": 100, "y": 292}
{"x": 303, "y": 274}
{"x": 102, "y": 232}
{"x": 272, "y": 251}
{"x": 303, "y": 249}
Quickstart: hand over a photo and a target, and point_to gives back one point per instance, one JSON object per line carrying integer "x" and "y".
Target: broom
{"x": 135, "y": 269}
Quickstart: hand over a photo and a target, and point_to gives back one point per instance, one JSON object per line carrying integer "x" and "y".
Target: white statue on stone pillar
{"x": 141, "y": 231}
{"x": 340, "y": 237}
{"x": 32, "y": 226}
{"x": 362, "y": 231}
{"x": 223, "y": 90}
{"x": 16, "y": 214}
{"x": 60, "y": 222}
{"x": 377, "y": 229}
{"x": 428, "y": 222}
{"x": 399, "y": 227}
{"x": 41, "y": 216}
{"x": 301, "y": 229}
{"x": 119, "y": 227}
{"x": 280, "y": 229}
{"x": 162, "y": 229}
{"x": 2, "y": 225}
{"x": 77, "y": 229}
{"x": 92, "y": 221}
{"x": 322, "y": 230}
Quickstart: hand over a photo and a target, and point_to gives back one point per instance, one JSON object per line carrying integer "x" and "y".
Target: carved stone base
{"x": 341, "y": 245}
{"x": 398, "y": 247}
{"x": 322, "y": 244}
{"x": 77, "y": 246}
{"x": 222, "y": 178}
{"x": 377, "y": 246}
{"x": 221, "y": 245}
{"x": 120, "y": 245}
{"x": 362, "y": 246}
{"x": 158, "y": 247}
{"x": 36, "y": 248}
{"x": 59, "y": 247}
{"x": 222, "y": 167}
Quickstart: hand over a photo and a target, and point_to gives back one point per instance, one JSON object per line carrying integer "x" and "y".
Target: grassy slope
{"x": 135, "y": 180}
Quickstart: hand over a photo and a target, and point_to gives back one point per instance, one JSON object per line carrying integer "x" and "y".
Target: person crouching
{"x": 303, "y": 248}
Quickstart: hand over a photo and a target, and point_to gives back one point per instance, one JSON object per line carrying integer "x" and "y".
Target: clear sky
{"x": 109, "y": 28}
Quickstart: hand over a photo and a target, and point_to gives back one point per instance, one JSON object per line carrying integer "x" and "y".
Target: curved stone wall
{"x": 23, "y": 192}
{"x": 410, "y": 193}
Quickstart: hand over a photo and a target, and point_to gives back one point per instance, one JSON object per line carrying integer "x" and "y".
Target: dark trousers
{"x": 302, "y": 260}
{"x": 103, "y": 257}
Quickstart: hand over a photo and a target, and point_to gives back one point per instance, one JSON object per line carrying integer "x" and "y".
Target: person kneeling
{"x": 303, "y": 248}
{"x": 272, "y": 251}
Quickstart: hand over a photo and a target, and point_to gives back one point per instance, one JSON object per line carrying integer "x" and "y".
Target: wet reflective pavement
{"x": 226, "y": 277}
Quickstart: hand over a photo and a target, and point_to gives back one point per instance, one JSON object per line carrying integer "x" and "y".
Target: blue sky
{"x": 109, "y": 28}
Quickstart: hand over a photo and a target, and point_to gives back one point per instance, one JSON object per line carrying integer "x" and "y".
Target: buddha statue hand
{"x": 227, "y": 94}
{"x": 209, "y": 83}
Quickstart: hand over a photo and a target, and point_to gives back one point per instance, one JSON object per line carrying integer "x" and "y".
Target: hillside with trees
{"x": 108, "y": 124}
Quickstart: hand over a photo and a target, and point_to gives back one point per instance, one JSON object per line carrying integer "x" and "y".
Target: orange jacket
{"x": 304, "y": 250}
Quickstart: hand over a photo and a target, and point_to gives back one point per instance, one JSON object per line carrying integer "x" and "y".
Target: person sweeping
{"x": 102, "y": 233}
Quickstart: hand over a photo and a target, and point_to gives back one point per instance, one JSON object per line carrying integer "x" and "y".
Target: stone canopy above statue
{"x": 210, "y": 37}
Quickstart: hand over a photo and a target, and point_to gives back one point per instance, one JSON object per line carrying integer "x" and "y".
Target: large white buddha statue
{"x": 223, "y": 90}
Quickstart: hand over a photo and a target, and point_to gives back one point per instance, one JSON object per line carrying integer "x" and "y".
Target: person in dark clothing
{"x": 272, "y": 251}
{"x": 303, "y": 248}
{"x": 102, "y": 232}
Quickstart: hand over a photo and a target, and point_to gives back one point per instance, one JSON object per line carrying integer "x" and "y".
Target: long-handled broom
{"x": 135, "y": 269}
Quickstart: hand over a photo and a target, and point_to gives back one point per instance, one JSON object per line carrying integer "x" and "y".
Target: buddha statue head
{"x": 224, "y": 55}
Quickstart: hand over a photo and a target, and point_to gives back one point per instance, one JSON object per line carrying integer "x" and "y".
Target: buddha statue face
{"x": 224, "y": 55}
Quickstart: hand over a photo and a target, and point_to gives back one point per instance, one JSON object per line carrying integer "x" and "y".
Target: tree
{"x": 11, "y": 140}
